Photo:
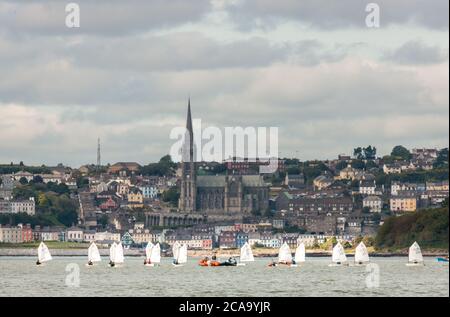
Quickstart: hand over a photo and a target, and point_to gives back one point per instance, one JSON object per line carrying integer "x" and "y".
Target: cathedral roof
{"x": 220, "y": 181}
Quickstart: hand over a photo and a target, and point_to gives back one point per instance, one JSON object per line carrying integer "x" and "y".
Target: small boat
{"x": 43, "y": 254}
{"x": 300, "y": 253}
{"x": 116, "y": 254}
{"x": 207, "y": 262}
{"x": 285, "y": 256}
{"x": 93, "y": 255}
{"x": 445, "y": 260}
{"x": 155, "y": 256}
{"x": 246, "y": 255}
{"x": 148, "y": 253}
{"x": 338, "y": 257}
{"x": 415, "y": 257}
{"x": 179, "y": 254}
{"x": 361, "y": 254}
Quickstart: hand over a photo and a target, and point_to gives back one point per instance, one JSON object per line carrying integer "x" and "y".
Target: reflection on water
{"x": 20, "y": 277}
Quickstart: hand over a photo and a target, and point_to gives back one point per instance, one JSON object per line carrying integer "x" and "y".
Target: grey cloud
{"x": 338, "y": 14}
{"x": 416, "y": 52}
{"x": 174, "y": 52}
{"x": 106, "y": 17}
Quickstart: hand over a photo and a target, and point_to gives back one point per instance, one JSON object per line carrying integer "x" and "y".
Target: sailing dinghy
{"x": 415, "y": 257}
{"x": 338, "y": 258}
{"x": 246, "y": 255}
{"x": 179, "y": 254}
{"x": 155, "y": 256}
{"x": 116, "y": 254}
{"x": 361, "y": 254}
{"x": 93, "y": 254}
{"x": 148, "y": 253}
{"x": 43, "y": 254}
{"x": 284, "y": 255}
{"x": 300, "y": 254}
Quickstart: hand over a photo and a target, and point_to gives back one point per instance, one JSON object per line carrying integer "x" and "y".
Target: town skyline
{"x": 93, "y": 160}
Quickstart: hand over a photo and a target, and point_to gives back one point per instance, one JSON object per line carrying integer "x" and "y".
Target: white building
{"x": 23, "y": 206}
{"x": 107, "y": 236}
{"x": 374, "y": 203}
{"x": 367, "y": 187}
{"x": 75, "y": 234}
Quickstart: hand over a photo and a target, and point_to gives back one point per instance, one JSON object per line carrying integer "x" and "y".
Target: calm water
{"x": 19, "y": 276}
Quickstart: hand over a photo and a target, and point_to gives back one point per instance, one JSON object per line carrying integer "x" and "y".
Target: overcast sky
{"x": 311, "y": 68}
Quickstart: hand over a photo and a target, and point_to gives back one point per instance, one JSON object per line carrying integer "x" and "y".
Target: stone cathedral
{"x": 221, "y": 194}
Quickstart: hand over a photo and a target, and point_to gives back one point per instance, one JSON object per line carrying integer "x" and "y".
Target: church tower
{"x": 188, "y": 190}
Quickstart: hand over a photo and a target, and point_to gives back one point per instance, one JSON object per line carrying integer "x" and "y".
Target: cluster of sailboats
{"x": 180, "y": 255}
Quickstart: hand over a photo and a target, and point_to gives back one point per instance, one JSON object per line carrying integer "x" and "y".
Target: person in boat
{"x": 90, "y": 263}
{"x": 112, "y": 264}
{"x": 273, "y": 263}
{"x": 293, "y": 262}
{"x": 204, "y": 261}
{"x": 175, "y": 262}
{"x": 229, "y": 262}
{"x": 38, "y": 263}
{"x": 214, "y": 257}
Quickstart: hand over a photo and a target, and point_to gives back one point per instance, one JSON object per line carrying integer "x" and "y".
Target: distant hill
{"x": 428, "y": 227}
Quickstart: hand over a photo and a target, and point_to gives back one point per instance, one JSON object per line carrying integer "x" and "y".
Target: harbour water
{"x": 19, "y": 276}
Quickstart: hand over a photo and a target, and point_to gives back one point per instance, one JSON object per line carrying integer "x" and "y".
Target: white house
{"x": 75, "y": 234}
{"x": 374, "y": 203}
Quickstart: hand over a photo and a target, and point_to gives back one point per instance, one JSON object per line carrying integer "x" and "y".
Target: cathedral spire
{"x": 189, "y": 118}
{"x": 188, "y": 152}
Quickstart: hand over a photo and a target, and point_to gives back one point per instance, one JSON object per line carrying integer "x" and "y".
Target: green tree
{"x": 370, "y": 152}
{"x": 401, "y": 152}
{"x": 358, "y": 153}
{"x": 172, "y": 195}
{"x": 442, "y": 159}
{"x": 23, "y": 181}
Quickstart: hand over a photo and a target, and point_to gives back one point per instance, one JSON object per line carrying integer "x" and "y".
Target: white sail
{"x": 118, "y": 256}
{"x": 148, "y": 250}
{"x": 361, "y": 254}
{"x": 112, "y": 252}
{"x": 285, "y": 255}
{"x": 93, "y": 253}
{"x": 182, "y": 254}
{"x": 175, "y": 250}
{"x": 246, "y": 253}
{"x": 43, "y": 253}
{"x": 338, "y": 254}
{"x": 300, "y": 253}
{"x": 415, "y": 254}
{"x": 155, "y": 257}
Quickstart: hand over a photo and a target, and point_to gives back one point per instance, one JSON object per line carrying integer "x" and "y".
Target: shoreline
{"x": 31, "y": 252}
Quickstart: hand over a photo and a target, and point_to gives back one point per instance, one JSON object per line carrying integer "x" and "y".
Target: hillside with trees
{"x": 54, "y": 206}
{"x": 428, "y": 227}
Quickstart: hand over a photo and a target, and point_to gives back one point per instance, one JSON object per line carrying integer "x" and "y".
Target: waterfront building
{"x": 10, "y": 234}
{"x": 75, "y": 234}
{"x": 227, "y": 240}
{"x": 241, "y": 239}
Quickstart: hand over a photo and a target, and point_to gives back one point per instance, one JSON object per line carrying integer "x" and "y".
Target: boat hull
{"x": 337, "y": 265}
{"x": 415, "y": 264}
{"x": 442, "y": 260}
